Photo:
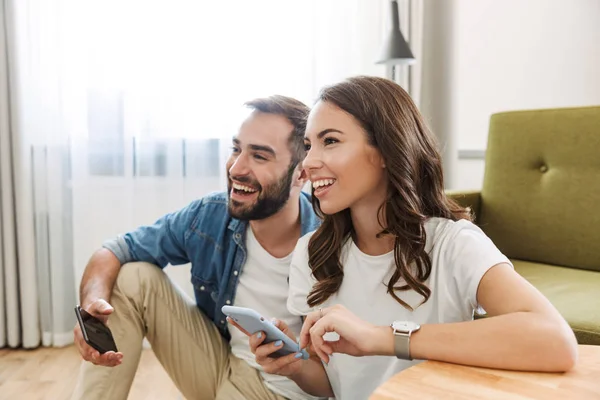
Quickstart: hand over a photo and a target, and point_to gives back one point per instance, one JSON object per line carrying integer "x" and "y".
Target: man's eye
{"x": 259, "y": 157}
{"x": 235, "y": 150}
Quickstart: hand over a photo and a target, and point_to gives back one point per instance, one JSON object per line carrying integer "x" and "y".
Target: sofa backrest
{"x": 540, "y": 199}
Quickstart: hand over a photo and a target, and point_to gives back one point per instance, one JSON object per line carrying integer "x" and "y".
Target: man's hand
{"x": 101, "y": 310}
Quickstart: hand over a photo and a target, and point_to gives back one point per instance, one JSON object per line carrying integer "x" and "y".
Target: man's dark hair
{"x": 295, "y": 111}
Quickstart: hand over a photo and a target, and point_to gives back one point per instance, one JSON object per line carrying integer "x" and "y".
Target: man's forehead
{"x": 264, "y": 129}
{"x": 248, "y": 139}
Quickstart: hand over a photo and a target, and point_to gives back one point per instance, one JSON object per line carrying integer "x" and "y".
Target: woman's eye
{"x": 306, "y": 147}
{"x": 235, "y": 150}
{"x": 329, "y": 141}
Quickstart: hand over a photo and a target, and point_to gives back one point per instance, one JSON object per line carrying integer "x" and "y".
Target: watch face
{"x": 405, "y": 326}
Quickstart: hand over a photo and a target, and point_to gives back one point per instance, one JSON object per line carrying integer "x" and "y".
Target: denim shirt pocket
{"x": 205, "y": 289}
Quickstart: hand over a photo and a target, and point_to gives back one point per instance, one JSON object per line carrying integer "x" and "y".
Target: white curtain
{"x": 19, "y": 300}
{"x": 121, "y": 111}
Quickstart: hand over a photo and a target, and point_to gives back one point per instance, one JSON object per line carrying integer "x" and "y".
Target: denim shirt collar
{"x": 309, "y": 221}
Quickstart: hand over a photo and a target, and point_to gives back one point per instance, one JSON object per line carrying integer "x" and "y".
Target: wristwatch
{"x": 402, "y": 331}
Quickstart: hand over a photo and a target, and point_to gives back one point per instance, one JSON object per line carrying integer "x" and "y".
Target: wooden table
{"x": 438, "y": 380}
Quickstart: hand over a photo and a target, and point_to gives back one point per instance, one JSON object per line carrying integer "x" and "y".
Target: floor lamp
{"x": 395, "y": 51}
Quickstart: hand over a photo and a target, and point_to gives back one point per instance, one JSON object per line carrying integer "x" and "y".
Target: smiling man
{"x": 239, "y": 244}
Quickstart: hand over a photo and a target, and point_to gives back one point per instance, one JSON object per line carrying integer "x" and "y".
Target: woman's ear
{"x": 377, "y": 158}
{"x": 381, "y": 159}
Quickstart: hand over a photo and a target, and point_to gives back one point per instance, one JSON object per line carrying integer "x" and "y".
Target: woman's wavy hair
{"x": 395, "y": 127}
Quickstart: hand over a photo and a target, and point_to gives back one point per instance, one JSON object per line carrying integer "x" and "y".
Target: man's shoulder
{"x": 208, "y": 209}
{"x": 309, "y": 219}
{"x": 212, "y": 206}
{"x": 305, "y": 196}
{"x": 216, "y": 198}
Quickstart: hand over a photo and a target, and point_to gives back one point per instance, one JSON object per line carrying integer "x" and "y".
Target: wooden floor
{"x": 50, "y": 374}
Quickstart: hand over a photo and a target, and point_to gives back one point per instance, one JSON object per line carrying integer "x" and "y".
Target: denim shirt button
{"x": 228, "y": 302}
{"x": 202, "y": 288}
{"x": 235, "y": 273}
{"x": 237, "y": 236}
{"x": 222, "y": 322}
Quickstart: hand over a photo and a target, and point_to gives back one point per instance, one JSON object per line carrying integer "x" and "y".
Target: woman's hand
{"x": 308, "y": 374}
{"x": 357, "y": 337}
{"x": 286, "y": 365}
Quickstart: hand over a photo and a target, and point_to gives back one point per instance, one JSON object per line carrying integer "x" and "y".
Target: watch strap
{"x": 402, "y": 345}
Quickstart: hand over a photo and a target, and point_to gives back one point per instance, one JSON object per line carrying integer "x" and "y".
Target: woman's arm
{"x": 313, "y": 379}
{"x": 523, "y": 331}
{"x": 309, "y": 374}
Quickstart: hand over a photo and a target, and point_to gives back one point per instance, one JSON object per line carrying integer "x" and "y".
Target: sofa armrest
{"x": 467, "y": 198}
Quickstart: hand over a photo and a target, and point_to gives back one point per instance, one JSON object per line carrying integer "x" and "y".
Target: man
{"x": 239, "y": 244}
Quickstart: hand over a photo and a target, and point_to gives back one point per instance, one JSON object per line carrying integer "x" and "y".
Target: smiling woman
{"x": 397, "y": 269}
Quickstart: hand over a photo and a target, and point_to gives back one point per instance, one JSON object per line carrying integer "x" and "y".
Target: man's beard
{"x": 270, "y": 199}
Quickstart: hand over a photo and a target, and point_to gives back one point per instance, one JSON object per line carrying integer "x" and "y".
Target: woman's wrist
{"x": 312, "y": 378}
{"x": 305, "y": 370}
{"x": 381, "y": 341}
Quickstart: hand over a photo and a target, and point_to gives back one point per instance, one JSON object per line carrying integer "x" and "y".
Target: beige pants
{"x": 184, "y": 340}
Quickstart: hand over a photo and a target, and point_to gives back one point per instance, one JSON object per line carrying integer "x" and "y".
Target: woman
{"x": 393, "y": 249}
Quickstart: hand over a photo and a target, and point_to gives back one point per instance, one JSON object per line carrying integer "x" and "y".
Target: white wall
{"x": 516, "y": 54}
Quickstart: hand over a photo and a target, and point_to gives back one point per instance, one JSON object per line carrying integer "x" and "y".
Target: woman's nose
{"x": 311, "y": 161}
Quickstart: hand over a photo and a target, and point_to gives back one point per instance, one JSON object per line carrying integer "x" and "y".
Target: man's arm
{"x": 99, "y": 277}
{"x": 161, "y": 243}
{"x": 94, "y": 292}
{"x": 155, "y": 244}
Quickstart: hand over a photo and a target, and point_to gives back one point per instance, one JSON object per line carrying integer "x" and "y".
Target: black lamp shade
{"x": 395, "y": 49}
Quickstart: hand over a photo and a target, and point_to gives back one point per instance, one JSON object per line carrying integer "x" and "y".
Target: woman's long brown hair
{"x": 395, "y": 127}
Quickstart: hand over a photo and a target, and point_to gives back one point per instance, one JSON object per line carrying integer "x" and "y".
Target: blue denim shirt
{"x": 204, "y": 234}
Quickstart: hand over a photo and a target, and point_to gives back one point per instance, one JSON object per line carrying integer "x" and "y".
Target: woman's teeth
{"x": 322, "y": 182}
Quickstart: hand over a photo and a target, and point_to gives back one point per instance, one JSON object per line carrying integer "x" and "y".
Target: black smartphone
{"x": 95, "y": 333}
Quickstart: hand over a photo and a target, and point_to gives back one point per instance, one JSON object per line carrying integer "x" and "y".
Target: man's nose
{"x": 239, "y": 167}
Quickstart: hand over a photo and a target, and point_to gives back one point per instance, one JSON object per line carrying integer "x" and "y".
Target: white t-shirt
{"x": 460, "y": 254}
{"x": 263, "y": 286}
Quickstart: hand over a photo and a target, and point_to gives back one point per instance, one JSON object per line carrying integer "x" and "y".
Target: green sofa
{"x": 540, "y": 204}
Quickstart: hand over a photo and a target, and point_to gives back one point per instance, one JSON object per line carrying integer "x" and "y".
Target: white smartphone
{"x": 253, "y": 322}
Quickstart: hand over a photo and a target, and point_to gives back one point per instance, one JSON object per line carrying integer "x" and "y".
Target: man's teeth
{"x": 323, "y": 182}
{"x": 244, "y": 188}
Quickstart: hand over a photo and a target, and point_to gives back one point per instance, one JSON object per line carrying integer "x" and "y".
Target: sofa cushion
{"x": 541, "y": 193}
{"x": 574, "y": 292}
